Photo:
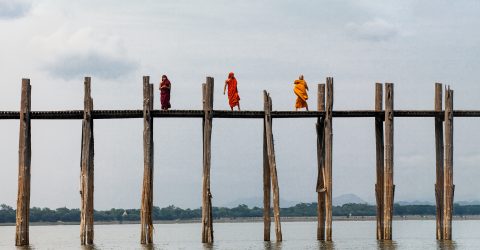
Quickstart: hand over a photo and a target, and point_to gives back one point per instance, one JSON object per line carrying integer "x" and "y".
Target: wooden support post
{"x": 328, "y": 157}
{"x": 449, "y": 188}
{"x": 379, "y": 189}
{"x": 146, "y": 236}
{"x": 207, "y": 223}
{"x": 24, "y": 160}
{"x": 320, "y": 126}
{"x": 388, "y": 168}
{"x": 86, "y": 167}
{"x": 439, "y": 160}
{"x": 266, "y": 181}
{"x": 272, "y": 164}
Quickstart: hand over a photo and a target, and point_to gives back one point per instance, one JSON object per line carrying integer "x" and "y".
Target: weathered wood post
{"x": 320, "y": 127}
{"x": 207, "y": 223}
{"x": 146, "y": 236}
{"x": 328, "y": 158}
{"x": 388, "y": 168}
{"x": 86, "y": 167}
{"x": 24, "y": 160}
{"x": 379, "y": 190}
{"x": 266, "y": 181}
{"x": 439, "y": 160}
{"x": 449, "y": 188}
{"x": 268, "y": 134}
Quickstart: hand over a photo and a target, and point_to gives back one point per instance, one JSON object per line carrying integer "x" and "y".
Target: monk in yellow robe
{"x": 300, "y": 89}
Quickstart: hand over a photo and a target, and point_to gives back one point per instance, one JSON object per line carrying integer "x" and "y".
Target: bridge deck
{"x": 124, "y": 114}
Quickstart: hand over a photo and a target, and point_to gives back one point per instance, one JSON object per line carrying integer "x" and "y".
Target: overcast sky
{"x": 267, "y": 44}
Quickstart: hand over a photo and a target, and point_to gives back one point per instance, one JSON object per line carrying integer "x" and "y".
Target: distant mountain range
{"x": 337, "y": 201}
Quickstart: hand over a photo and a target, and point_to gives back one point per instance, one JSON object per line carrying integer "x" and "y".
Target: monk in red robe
{"x": 165, "y": 87}
{"x": 233, "y": 97}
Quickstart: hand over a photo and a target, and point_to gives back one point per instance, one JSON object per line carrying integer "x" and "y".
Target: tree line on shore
{"x": 7, "y": 213}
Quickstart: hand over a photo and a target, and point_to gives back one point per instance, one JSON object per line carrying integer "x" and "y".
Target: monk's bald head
{"x": 300, "y": 77}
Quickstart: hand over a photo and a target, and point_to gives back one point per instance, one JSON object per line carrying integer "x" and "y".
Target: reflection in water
{"x": 89, "y": 247}
{"x": 386, "y": 245}
{"x": 148, "y": 246}
{"x": 446, "y": 245}
{"x": 272, "y": 245}
{"x": 29, "y": 247}
{"x": 327, "y": 245}
{"x": 208, "y": 246}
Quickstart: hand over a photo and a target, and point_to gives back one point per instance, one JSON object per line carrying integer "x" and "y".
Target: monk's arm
{"x": 306, "y": 86}
{"x": 225, "y": 87}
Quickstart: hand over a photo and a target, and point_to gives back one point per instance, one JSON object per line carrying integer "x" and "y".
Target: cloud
{"x": 10, "y": 9}
{"x": 91, "y": 64}
{"x": 85, "y": 52}
{"x": 373, "y": 30}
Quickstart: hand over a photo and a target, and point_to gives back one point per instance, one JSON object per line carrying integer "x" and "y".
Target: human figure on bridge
{"x": 233, "y": 97}
{"x": 300, "y": 89}
{"x": 165, "y": 87}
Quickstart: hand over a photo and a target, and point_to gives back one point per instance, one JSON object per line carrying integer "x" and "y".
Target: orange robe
{"x": 300, "y": 89}
{"x": 233, "y": 97}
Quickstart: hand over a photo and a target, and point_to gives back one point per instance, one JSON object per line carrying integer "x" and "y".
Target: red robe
{"x": 165, "y": 94}
{"x": 233, "y": 97}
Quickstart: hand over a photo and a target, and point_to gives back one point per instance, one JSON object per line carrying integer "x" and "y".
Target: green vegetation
{"x": 7, "y": 213}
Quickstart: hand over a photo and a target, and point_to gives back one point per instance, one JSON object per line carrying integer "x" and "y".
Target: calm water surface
{"x": 414, "y": 234}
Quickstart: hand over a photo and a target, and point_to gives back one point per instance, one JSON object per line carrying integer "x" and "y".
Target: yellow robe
{"x": 300, "y": 89}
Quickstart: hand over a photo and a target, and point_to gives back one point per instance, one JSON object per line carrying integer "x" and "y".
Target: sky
{"x": 410, "y": 43}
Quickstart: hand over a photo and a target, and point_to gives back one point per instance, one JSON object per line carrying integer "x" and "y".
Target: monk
{"x": 300, "y": 89}
{"x": 165, "y": 87}
{"x": 233, "y": 97}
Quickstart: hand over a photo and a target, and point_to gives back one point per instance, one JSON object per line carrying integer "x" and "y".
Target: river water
{"x": 408, "y": 234}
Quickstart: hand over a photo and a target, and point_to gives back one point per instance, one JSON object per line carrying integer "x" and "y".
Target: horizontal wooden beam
{"x": 127, "y": 114}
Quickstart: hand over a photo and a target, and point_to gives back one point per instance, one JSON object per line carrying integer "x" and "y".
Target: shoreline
{"x": 254, "y": 219}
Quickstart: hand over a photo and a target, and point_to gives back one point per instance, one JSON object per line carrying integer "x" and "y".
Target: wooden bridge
{"x": 384, "y": 125}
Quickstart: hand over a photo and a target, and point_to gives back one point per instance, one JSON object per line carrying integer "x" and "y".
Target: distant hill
{"x": 415, "y": 202}
{"x": 467, "y": 203}
{"x": 346, "y": 199}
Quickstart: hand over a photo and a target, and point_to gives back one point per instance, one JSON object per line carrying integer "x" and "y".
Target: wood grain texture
{"x": 273, "y": 166}
{"x": 328, "y": 157}
{"x": 207, "y": 223}
{"x": 321, "y": 186}
{"x": 24, "y": 162}
{"x": 439, "y": 152}
{"x": 388, "y": 168}
{"x": 87, "y": 170}
{"x": 267, "y": 190}
{"x": 146, "y": 221}
{"x": 448, "y": 187}
{"x": 379, "y": 142}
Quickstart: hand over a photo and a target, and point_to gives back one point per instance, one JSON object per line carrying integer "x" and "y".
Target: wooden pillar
{"x": 266, "y": 181}
{"x": 388, "y": 168}
{"x": 86, "y": 179}
{"x": 320, "y": 126}
{"x": 449, "y": 188}
{"x": 207, "y": 223}
{"x": 146, "y": 236}
{"x": 379, "y": 189}
{"x": 328, "y": 157}
{"x": 24, "y": 160}
{"x": 268, "y": 134}
{"x": 439, "y": 160}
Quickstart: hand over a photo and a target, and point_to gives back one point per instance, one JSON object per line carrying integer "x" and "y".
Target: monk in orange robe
{"x": 233, "y": 97}
{"x": 300, "y": 89}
